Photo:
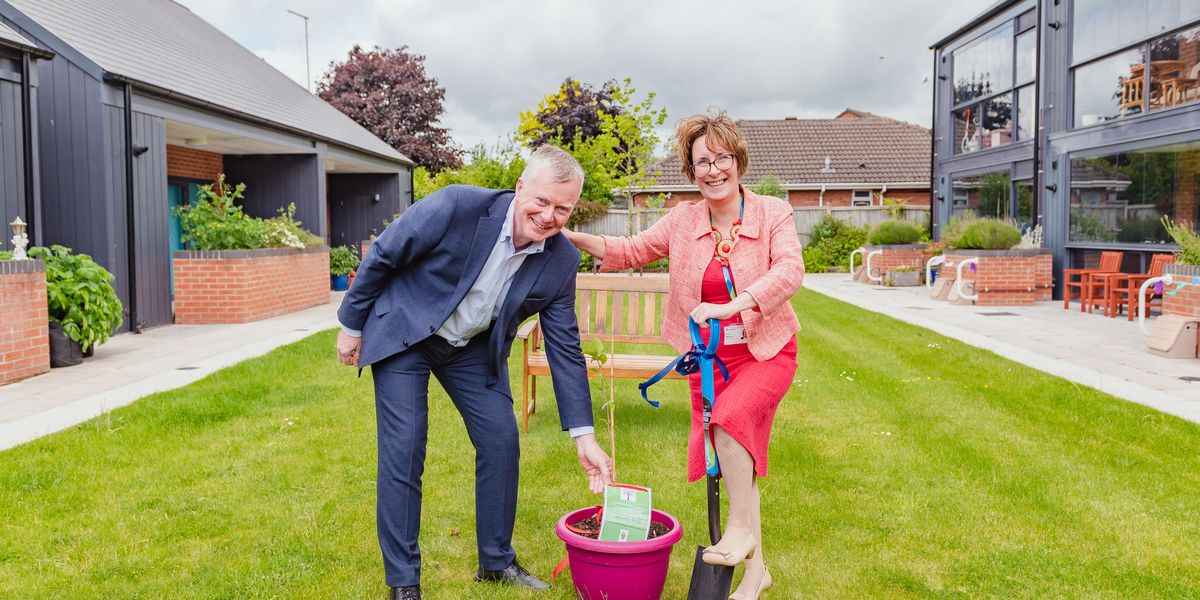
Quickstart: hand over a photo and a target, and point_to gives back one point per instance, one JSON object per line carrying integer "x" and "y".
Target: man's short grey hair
{"x": 562, "y": 166}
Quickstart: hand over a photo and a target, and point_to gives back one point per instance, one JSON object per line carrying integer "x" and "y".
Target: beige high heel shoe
{"x": 763, "y": 584}
{"x": 733, "y": 557}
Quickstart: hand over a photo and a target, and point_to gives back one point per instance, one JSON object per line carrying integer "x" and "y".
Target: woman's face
{"x": 715, "y": 169}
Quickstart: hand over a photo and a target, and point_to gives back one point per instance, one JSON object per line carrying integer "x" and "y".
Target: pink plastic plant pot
{"x": 619, "y": 570}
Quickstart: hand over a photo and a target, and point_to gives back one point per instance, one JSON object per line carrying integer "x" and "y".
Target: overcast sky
{"x": 495, "y": 58}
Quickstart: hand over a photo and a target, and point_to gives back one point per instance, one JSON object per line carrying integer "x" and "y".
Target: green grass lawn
{"x": 903, "y": 464}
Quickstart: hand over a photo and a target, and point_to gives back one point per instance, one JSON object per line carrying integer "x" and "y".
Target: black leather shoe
{"x": 513, "y": 574}
{"x": 408, "y": 592}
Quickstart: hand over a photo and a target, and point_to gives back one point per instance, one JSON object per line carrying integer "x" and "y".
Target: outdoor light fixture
{"x": 1053, "y": 187}
{"x": 1054, "y": 25}
{"x": 20, "y": 239}
{"x": 376, "y": 199}
{"x": 140, "y": 150}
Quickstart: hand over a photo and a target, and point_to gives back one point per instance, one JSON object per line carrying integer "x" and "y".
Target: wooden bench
{"x": 619, "y": 308}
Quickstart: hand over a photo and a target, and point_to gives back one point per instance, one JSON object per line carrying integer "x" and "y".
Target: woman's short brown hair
{"x": 723, "y": 131}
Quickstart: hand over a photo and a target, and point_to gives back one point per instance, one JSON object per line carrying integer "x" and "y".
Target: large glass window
{"x": 1105, "y": 25}
{"x": 1174, "y": 69}
{"x": 986, "y": 195}
{"x": 1121, "y": 198}
{"x": 985, "y": 66}
{"x": 983, "y": 125}
{"x": 1026, "y": 56}
{"x": 1110, "y": 88}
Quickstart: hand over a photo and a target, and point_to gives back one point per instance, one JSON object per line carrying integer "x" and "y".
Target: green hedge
{"x": 894, "y": 232}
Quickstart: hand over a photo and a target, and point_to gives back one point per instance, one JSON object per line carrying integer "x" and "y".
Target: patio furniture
{"x": 1110, "y": 262}
{"x": 1125, "y": 286}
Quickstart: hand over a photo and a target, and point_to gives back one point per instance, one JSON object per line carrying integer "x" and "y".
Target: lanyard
{"x": 728, "y": 278}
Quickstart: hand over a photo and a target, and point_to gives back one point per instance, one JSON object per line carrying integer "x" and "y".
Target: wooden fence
{"x": 619, "y": 221}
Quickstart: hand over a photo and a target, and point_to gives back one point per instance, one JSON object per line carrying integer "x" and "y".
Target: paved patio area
{"x": 1089, "y": 349}
{"x": 129, "y": 367}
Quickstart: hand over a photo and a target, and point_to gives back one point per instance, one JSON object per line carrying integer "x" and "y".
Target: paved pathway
{"x": 129, "y": 367}
{"x": 1089, "y": 349}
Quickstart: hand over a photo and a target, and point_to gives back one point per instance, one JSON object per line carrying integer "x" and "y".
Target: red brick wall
{"x": 194, "y": 164}
{"x": 24, "y": 320}
{"x": 248, "y": 285}
{"x": 1185, "y": 301}
{"x": 912, "y": 257}
{"x": 1005, "y": 280}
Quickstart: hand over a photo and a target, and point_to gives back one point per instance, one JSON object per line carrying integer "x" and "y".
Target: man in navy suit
{"x": 443, "y": 291}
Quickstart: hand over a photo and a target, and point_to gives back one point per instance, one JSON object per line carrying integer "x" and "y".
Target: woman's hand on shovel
{"x": 596, "y": 464}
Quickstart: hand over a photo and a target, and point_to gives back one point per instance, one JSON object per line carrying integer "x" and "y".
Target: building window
{"x": 1101, "y": 26}
{"x": 985, "y": 73}
{"x": 861, "y": 198}
{"x": 1110, "y": 88}
{"x": 985, "y": 195}
{"x": 1026, "y": 106}
{"x": 1121, "y": 198}
{"x": 1175, "y": 69}
{"x": 1134, "y": 71}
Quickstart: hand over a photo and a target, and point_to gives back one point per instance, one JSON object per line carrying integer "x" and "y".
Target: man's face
{"x": 541, "y": 207}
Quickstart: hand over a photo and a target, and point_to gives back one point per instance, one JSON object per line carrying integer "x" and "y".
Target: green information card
{"x": 626, "y": 514}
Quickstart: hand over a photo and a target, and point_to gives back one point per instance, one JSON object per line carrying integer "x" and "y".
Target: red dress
{"x": 745, "y": 405}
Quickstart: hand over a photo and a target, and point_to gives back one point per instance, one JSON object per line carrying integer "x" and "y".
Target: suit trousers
{"x": 402, "y": 419}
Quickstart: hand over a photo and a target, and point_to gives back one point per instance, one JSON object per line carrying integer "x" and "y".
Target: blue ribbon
{"x": 699, "y": 358}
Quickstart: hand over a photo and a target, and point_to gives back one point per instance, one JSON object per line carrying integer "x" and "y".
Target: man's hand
{"x": 348, "y": 348}
{"x": 596, "y": 463}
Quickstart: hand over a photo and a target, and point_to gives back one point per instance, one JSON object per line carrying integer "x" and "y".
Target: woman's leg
{"x": 737, "y": 471}
{"x": 756, "y": 578}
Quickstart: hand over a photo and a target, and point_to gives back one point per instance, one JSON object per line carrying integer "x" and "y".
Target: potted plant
{"x": 341, "y": 261}
{"x": 607, "y": 569}
{"x": 1006, "y": 268}
{"x": 893, "y": 245}
{"x": 1182, "y": 294}
{"x": 84, "y": 308}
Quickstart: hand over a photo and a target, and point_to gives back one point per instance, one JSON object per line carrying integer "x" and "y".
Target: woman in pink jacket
{"x": 734, "y": 256}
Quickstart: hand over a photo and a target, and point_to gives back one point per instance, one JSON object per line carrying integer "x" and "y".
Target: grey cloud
{"x": 756, "y": 59}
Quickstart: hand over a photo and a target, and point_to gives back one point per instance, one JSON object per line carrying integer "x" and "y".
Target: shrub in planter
{"x": 955, "y": 228}
{"x": 894, "y": 232}
{"x": 216, "y": 221}
{"x": 988, "y": 234}
{"x": 80, "y": 296}
{"x": 1188, "y": 240}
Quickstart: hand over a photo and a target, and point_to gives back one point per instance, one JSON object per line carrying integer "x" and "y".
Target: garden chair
{"x": 1125, "y": 287}
{"x": 1110, "y": 262}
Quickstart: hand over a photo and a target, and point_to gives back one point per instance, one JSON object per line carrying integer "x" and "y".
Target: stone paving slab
{"x": 1089, "y": 349}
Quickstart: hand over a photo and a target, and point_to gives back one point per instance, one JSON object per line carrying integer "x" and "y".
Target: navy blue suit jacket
{"x": 418, "y": 271}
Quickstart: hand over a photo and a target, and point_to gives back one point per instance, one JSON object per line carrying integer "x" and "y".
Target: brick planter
{"x": 1186, "y": 300}
{"x": 896, "y": 256}
{"x": 1004, "y": 277}
{"x": 24, "y": 320}
{"x": 239, "y": 286}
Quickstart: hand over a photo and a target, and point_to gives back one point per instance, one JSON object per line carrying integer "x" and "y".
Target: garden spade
{"x": 709, "y": 582}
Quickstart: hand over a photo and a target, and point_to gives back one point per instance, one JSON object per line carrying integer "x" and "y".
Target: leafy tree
{"x": 388, "y": 92}
{"x": 497, "y": 168}
{"x": 620, "y": 154}
{"x": 574, "y": 110}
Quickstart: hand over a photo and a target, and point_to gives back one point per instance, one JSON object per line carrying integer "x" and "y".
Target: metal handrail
{"x": 867, "y": 265}
{"x": 939, "y": 259}
{"x": 859, "y": 251}
{"x": 1166, "y": 279}
{"x": 958, "y": 282}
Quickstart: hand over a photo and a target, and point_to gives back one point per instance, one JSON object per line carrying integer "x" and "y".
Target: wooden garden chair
{"x": 1110, "y": 262}
{"x": 1125, "y": 287}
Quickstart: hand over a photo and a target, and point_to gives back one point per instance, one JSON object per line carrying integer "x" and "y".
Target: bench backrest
{"x": 1110, "y": 262}
{"x": 1158, "y": 262}
{"x": 621, "y": 307}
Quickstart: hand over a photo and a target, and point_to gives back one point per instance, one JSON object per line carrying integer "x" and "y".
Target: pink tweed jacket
{"x": 767, "y": 263}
